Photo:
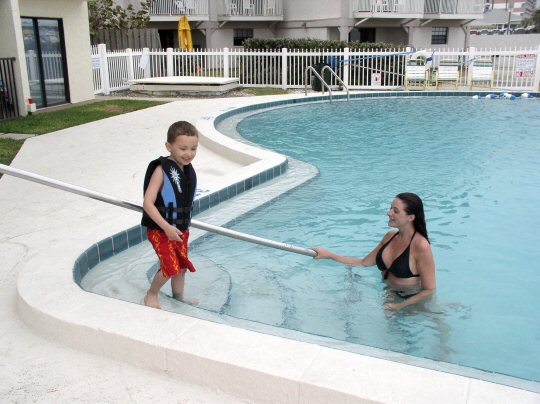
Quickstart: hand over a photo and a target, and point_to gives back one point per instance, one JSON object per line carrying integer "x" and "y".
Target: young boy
{"x": 169, "y": 188}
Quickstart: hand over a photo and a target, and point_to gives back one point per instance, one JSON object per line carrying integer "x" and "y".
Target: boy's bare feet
{"x": 189, "y": 300}
{"x": 151, "y": 300}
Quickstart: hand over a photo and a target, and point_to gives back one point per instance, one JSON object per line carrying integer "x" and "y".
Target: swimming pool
{"x": 475, "y": 164}
{"x": 465, "y": 183}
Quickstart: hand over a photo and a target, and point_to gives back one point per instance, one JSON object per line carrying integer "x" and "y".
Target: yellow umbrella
{"x": 184, "y": 34}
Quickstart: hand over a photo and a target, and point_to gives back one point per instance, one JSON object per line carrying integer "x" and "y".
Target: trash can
{"x": 316, "y": 84}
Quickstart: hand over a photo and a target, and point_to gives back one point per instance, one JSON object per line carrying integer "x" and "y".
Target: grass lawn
{"x": 8, "y": 149}
{"x": 51, "y": 121}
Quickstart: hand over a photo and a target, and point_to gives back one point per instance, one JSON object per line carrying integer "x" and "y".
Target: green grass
{"x": 265, "y": 91}
{"x": 8, "y": 149}
{"x": 51, "y": 121}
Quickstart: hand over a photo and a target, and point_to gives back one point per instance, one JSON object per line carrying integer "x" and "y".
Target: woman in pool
{"x": 403, "y": 256}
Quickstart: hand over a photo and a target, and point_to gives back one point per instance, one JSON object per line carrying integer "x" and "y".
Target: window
{"x": 439, "y": 35}
{"x": 45, "y": 60}
{"x": 240, "y": 35}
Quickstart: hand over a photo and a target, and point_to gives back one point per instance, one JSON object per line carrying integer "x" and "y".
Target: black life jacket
{"x": 175, "y": 201}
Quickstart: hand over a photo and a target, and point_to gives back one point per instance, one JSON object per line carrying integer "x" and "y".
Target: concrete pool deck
{"x": 62, "y": 344}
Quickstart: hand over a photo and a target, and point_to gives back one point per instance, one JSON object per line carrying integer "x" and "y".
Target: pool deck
{"x": 62, "y": 344}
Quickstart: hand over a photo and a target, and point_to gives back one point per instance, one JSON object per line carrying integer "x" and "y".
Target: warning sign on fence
{"x": 525, "y": 65}
{"x": 376, "y": 79}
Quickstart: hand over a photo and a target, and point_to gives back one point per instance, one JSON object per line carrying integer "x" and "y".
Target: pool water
{"x": 474, "y": 163}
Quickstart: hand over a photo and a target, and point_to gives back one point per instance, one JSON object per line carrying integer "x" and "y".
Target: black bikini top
{"x": 400, "y": 267}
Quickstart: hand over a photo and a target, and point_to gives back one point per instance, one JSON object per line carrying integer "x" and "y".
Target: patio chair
{"x": 248, "y": 7}
{"x": 379, "y": 6}
{"x": 400, "y": 5}
{"x": 233, "y": 7}
{"x": 270, "y": 7}
{"x": 482, "y": 73}
{"x": 416, "y": 72}
{"x": 447, "y": 72}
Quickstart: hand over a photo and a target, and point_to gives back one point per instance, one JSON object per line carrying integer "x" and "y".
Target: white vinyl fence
{"x": 514, "y": 69}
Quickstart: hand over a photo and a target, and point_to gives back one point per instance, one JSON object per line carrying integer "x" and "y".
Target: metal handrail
{"x": 75, "y": 189}
{"x": 338, "y": 79}
{"x": 320, "y": 78}
{"x": 323, "y": 82}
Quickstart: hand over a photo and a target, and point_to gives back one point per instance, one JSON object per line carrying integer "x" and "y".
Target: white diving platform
{"x": 184, "y": 84}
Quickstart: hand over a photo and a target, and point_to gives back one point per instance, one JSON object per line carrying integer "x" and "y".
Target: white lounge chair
{"x": 248, "y": 7}
{"x": 482, "y": 73}
{"x": 416, "y": 72}
{"x": 447, "y": 72}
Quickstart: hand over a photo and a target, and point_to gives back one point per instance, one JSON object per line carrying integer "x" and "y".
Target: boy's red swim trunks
{"x": 173, "y": 255}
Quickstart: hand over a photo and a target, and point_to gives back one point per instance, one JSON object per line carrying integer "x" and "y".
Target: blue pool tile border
{"x": 341, "y": 97}
{"x": 121, "y": 241}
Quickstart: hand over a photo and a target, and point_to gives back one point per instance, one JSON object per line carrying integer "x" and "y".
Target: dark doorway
{"x": 45, "y": 60}
{"x": 362, "y": 35}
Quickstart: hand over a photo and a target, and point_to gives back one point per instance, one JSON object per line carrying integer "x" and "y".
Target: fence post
{"x": 131, "y": 74}
{"x": 284, "y": 61}
{"x": 470, "y": 61}
{"x": 345, "y": 66}
{"x": 146, "y": 64}
{"x": 104, "y": 68}
{"x": 536, "y": 83}
{"x": 225, "y": 62}
{"x": 170, "y": 62}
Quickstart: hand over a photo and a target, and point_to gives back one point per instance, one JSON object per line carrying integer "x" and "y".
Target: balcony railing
{"x": 448, "y": 7}
{"x": 163, "y": 8}
{"x": 454, "y": 6}
{"x": 251, "y": 8}
{"x": 391, "y": 6}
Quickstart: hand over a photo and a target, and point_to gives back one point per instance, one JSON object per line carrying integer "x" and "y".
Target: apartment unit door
{"x": 45, "y": 60}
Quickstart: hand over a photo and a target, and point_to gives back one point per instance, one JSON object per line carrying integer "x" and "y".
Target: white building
{"x": 47, "y": 45}
{"x": 226, "y": 23}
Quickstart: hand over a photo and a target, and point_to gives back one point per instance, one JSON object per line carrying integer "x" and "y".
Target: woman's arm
{"x": 425, "y": 265}
{"x": 367, "y": 261}
{"x": 150, "y": 196}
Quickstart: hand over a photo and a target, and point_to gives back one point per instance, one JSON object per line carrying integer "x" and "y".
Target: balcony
{"x": 389, "y": 9}
{"x": 441, "y": 9}
{"x": 171, "y": 10}
{"x": 454, "y": 8}
{"x": 250, "y": 10}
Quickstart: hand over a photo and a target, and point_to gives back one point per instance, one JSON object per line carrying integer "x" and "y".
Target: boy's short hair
{"x": 181, "y": 128}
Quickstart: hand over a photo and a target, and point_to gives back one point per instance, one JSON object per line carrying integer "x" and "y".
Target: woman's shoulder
{"x": 420, "y": 243}
{"x": 388, "y": 235}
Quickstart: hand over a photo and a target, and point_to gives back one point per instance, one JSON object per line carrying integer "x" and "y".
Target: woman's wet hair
{"x": 414, "y": 206}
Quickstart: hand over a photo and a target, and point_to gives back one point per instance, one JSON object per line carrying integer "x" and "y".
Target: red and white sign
{"x": 525, "y": 65}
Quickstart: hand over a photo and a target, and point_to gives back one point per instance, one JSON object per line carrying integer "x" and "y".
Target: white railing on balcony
{"x": 179, "y": 7}
{"x": 513, "y": 69}
{"x": 253, "y": 8}
{"x": 421, "y": 6}
{"x": 391, "y": 6}
{"x": 454, "y": 6}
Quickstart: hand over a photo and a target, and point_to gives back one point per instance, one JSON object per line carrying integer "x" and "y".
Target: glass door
{"x": 45, "y": 61}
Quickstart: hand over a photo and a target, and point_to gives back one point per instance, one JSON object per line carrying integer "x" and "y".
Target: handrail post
{"x": 320, "y": 78}
{"x": 337, "y": 78}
